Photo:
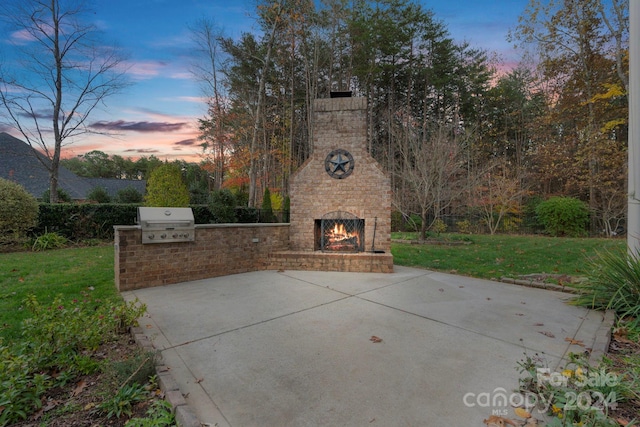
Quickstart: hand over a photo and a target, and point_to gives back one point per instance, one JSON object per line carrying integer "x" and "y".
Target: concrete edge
{"x": 185, "y": 416}
{"x": 603, "y": 338}
{"x": 539, "y": 285}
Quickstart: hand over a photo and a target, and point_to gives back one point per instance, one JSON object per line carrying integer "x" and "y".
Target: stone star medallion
{"x": 339, "y": 164}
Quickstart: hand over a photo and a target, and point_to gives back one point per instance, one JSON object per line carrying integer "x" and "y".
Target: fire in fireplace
{"x": 339, "y": 232}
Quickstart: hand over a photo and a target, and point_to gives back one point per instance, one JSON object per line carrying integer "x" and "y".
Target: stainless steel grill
{"x": 166, "y": 225}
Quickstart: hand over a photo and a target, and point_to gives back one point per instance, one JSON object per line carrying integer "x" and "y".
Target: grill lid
{"x": 166, "y": 225}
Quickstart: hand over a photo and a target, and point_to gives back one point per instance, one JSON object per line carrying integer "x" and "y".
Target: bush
{"x": 99, "y": 194}
{"x": 614, "y": 284}
{"x": 63, "y": 196}
{"x": 48, "y": 241}
{"x": 563, "y": 216}
{"x": 18, "y": 211}
{"x": 166, "y": 187}
{"x": 84, "y": 221}
{"x": 267, "y": 210}
{"x": 222, "y": 205}
{"x": 128, "y": 195}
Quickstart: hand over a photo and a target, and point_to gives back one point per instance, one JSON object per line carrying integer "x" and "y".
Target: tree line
{"x": 455, "y": 132}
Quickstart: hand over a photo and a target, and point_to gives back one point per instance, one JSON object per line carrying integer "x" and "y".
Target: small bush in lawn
{"x": 614, "y": 284}
{"x": 18, "y": 211}
{"x": 438, "y": 226}
{"x": 48, "y": 241}
{"x": 563, "y": 216}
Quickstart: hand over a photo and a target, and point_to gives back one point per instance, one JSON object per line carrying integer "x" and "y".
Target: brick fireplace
{"x": 340, "y": 197}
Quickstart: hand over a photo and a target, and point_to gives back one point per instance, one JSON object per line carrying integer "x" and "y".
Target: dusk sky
{"x": 158, "y": 113}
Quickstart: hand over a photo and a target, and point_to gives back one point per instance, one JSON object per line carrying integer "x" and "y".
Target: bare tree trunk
{"x": 258, "y": 113}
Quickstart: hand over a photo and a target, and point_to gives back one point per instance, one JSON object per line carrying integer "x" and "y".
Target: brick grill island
{"x": 340, "y": 197}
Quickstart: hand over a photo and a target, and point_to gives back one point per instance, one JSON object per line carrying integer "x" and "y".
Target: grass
{"x": 65, "y": 272}
{"x": 491, "y": 257}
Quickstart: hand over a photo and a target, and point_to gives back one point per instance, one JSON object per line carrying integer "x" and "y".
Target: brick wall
{"x": 218, "y": 250}
{"x": 340, "y": 123}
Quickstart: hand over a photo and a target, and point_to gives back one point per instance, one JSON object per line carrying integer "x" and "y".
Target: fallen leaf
{"x": 21, "y": 279}
{"x": 199, "y": 380}
{"x": 488, "y": 299}
{"x": 89, "y": 406}
{"x": 495, "y": 421}
{"x": 576, "y": 342}
{"x": 38, "y": 414}
{"x": 79, "y": 387}
{"x": 441, "y": 290}
{"x": 622, "y": 339}
{"x": 375, "y": 339}
{"x": 519, "y": 314}
{"x": 461, "y": 286}
{"x": 538, "y": 324}
{"x": 522, "y": 413}
{"x": 547, "y": 333}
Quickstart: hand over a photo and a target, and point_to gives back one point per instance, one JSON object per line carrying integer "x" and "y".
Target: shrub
{"x": 267, "y": 210}
{"x": 438, "y": 226}
{"x": 222, "y": 205}
{"x": 48, "y": 241}
{"x": 414, "y": 223}
{"x": 464, "y": 226}
{"x": 128, "y": 195}
{"x": 166, "y": 187}
{"x": 286, "y": 209}
{"x": 563, "y": 216}
{"x": 63, "y": 196}
{"x": 99, "y": 194}
{"x": 614, "y": 284}
{"x": 84, "y": 221}
{"x": 58, "y": 337}
{"x": 18, "y": 211}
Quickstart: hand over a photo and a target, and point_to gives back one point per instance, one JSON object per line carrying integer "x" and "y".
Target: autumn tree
{"x": 60, "y": 71}
{"x": 580, "y": 47}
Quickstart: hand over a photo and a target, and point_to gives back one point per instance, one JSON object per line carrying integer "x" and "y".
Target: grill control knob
{"x": 163, "y": 236}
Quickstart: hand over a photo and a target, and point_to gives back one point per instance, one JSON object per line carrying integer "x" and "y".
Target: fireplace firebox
{"x": 339, "y": 232}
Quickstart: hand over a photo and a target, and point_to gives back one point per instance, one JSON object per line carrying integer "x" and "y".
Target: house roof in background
{"x": 19, "y": 163}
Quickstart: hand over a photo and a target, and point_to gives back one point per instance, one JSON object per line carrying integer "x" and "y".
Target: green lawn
{"x": 504, "y": 255}
{"x": 68, "y": 272}
{"x": 72, "y": 271}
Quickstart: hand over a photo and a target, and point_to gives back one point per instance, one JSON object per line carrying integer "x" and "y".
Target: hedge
{"x": 95, "y": 221}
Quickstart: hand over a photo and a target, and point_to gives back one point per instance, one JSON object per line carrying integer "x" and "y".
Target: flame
{"x": 339, "y": 234}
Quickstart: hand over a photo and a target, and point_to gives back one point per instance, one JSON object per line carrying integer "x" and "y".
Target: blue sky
{"x": 158, "y": 113}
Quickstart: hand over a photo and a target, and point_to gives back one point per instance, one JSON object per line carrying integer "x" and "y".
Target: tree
{"x": 61, "y": 72}
{"x": 431, "y": 166}
{"x": 497, "y": 194}
{"x": 166, "y": 187}
{"x": 581, "y": 143}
